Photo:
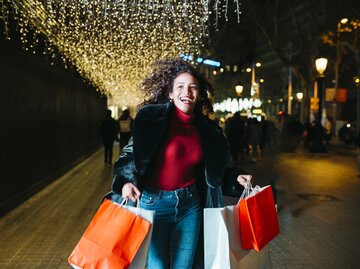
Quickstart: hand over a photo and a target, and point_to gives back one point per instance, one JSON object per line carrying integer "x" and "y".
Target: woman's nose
{"x": 187, "y": 89}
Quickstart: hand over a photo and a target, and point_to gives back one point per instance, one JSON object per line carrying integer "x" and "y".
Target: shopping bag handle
{"x": 125, "y": 200}
{"x": 248, "y": 188}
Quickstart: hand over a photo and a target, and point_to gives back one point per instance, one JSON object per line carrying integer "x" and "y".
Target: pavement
{"x": 317, "y": 195}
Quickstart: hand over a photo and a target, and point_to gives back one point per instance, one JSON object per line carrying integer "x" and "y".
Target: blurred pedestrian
{"x": 108, "y": 130}
{"x": 328, "y": 131}
{"x": 272, "y": 134}
{"x": 269, "y": 134}
{"x": 254, "y": 137}
{"x": 264, "y": 137}
{"x": 174, "y": 161}
{"x": 292, "y": 133}
{"x": 125, "y": 128}
{"x": 235, "y": 133}
{"x": 309, "y": 133}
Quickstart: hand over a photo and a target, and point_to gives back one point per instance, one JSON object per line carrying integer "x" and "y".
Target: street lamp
{"x": 343, "y": 21}
{"x": 255, "y": 87}
{"x": 300, "y": 96}
{"x": 239, "y": 90}
{"x": 317, "y": 144}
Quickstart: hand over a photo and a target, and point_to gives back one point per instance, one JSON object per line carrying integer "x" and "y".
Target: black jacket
{"x": 150, "y": 126}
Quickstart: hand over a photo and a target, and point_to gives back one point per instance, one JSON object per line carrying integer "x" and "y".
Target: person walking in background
{"x": 254, "y": 137}
{"x": 328, "y": 131}
{"x": 308, "y": 134}
{"x": 235, "y": 133}
{"x": 125, "y": 128}
{"x": 291, "y": 134}
{"x": 108, "y": 130}
{"x": 271, "y": 134}
{"x": 174, "y": 161}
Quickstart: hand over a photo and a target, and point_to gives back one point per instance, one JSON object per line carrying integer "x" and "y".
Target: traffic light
{"x": 314, "y": 104}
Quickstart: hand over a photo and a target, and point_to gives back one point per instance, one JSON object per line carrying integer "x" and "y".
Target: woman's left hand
{"x": 244, "y": 179}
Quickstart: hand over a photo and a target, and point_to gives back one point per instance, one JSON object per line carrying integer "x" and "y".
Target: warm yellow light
{"x": 221, "y": 69}
{"x": 239, "y": 89}
{"x": 344, "y": 20}
{"x": 262, "y": 80}
{"x": 214, "y": 72}
{"x": 321, "y": 64}
{"x": 113, "y": 44}
{"x": 248, "y": 69}
{"x": 257, "y": 111}
{"x": 299, "y": 96}
{"x": 258, "y": 64}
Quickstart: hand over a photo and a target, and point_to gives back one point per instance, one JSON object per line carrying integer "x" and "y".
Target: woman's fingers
{"x": 137, "y": 192}
{"x": 244, "y": 179}
{"x": 130, "y": 191}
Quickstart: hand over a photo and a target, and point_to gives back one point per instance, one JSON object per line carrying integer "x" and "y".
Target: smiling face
{"x": 185, "y": 93}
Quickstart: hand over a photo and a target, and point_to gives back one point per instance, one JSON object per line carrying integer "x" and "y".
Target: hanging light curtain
{"x": 112, "y": 43}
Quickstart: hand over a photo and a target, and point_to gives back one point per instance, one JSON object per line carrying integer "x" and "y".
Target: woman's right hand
{"x": 130, "y": 191}
{"x": 245, "y": 180}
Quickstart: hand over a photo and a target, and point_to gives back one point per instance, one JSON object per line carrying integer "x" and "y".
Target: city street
{"x": 317, "y": 195}
{"x": 78, "y": 77}
{"x": 318, "y": 200}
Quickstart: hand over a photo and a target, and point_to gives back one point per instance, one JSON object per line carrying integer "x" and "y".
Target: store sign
{"x": 330, "y": 94}
{"x": 234, "y": 105}
{"x": 341, "y": 95}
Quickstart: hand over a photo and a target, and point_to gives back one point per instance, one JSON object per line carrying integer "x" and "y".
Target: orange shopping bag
{"x": 258, "y": 218}
{"x": 111, "y": 240}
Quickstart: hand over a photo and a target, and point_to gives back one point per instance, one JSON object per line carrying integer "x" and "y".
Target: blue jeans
{"x": 176, "y": 227}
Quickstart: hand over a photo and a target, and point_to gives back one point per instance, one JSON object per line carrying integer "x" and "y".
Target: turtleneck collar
{"x": 181, "y": 117}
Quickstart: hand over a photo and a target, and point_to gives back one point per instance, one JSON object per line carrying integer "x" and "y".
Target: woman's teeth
{"x": 185, "y": 100}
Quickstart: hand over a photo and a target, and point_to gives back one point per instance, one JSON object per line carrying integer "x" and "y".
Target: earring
{"x": 171, "y": 100}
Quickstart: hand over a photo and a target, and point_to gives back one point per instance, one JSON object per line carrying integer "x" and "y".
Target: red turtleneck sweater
{"x": 174, "y": 164}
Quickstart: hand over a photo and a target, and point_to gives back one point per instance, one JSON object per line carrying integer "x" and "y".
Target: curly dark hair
{"x": 159, "y": 83}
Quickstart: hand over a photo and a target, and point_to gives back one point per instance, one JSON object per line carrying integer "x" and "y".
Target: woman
{"x": 174, "y": 161}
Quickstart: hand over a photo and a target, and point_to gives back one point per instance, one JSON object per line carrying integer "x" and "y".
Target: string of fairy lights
{"x": 112, "y": 43}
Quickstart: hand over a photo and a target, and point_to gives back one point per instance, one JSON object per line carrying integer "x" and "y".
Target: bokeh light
{"x": 112, "y": 43}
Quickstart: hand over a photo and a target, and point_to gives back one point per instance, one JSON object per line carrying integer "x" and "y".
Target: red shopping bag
{"x": 258, "y": 219}
{"x": 111, "y": 240}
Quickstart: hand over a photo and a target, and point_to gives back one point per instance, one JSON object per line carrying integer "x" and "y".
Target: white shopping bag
{"x": 140, "y": 259}
{"x": 222, "y": 242}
